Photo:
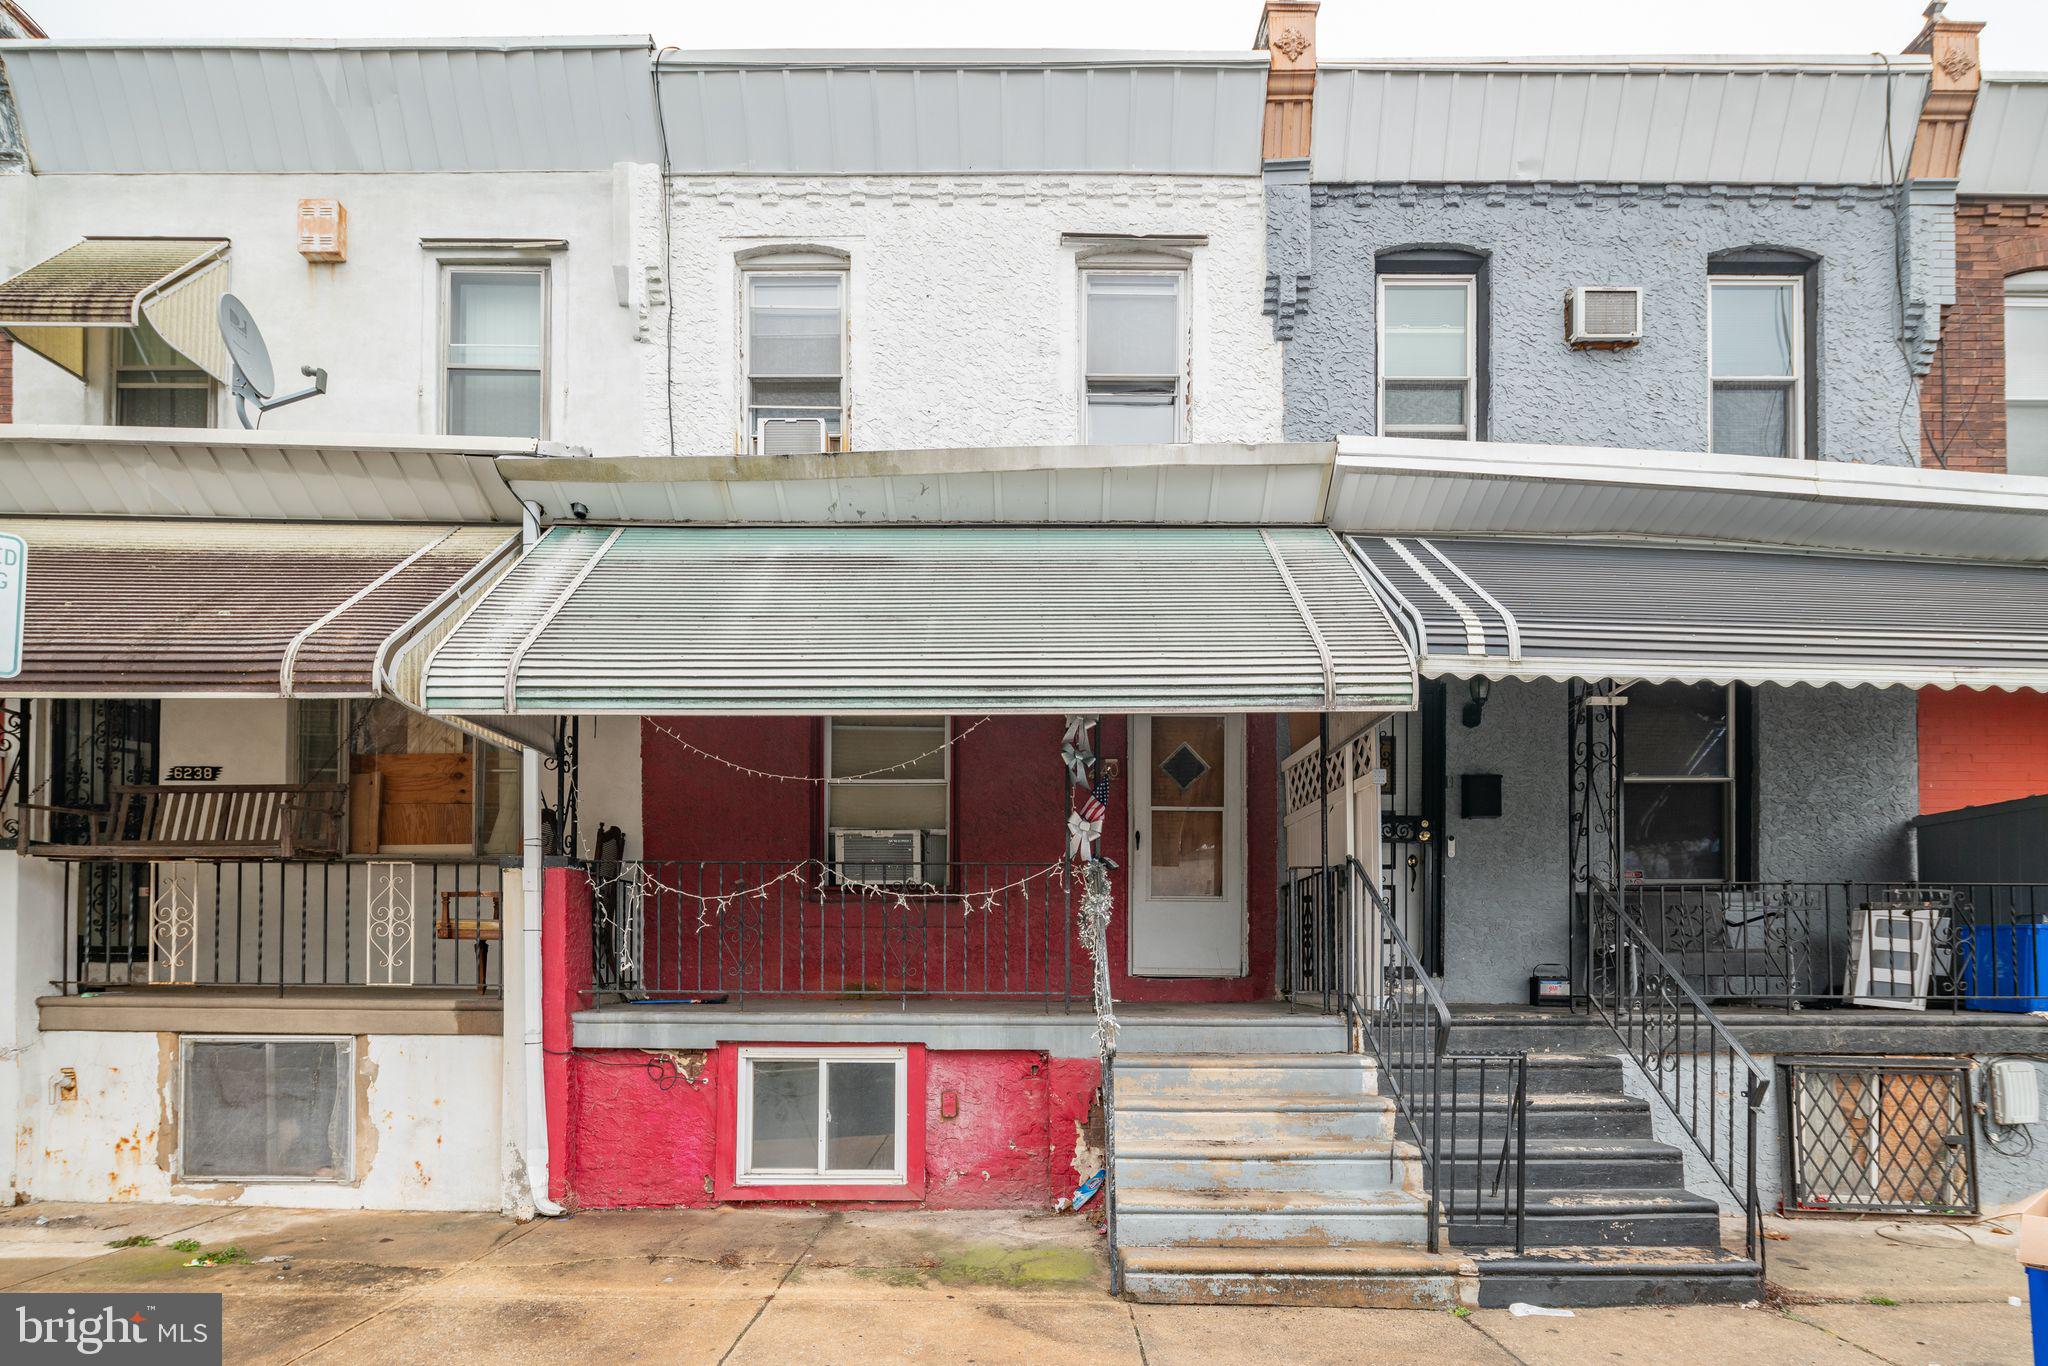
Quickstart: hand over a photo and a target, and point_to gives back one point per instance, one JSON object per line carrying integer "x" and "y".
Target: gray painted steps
{"x": 1155, "y": 1216}
{"x": 1365, "y": 1276}
{"x": 1592, "y": 1277}
{"x": 1611, "y": 1217}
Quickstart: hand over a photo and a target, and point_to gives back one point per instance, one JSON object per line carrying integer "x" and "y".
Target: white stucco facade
{"x": 373, "y": 321}
{"x": 963, "y": 301}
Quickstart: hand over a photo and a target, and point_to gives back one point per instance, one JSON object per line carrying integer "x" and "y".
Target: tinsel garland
{"x": 1094, "y": 932}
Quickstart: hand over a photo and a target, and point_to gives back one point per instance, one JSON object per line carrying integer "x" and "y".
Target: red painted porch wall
{"x": 643, "y": 1129}
{"x": 1981, "y": 747}
{"x": 1010, "y": 803}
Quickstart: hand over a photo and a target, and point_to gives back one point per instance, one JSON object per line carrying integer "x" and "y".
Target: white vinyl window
{"x": 886, "y": 798}
{"x": 154, "y": 386}
{"x": 832, "y": 1116}
{"x": 1426, "y": 353}
{"x": 494, "y": 326}
{"x": 2026, "y": 373}
{"x": 1134, "y": 343}
{"x": 793, "y": 356}
{"x": 266, "y": 1109}
{"x": 1757, "y": 345}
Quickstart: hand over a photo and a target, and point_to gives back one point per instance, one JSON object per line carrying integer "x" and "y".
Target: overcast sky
{"x": 2016, "y": 39}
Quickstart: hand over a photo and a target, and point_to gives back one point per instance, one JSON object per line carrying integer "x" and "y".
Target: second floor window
{"x": 1133, "y": 337}
{"x": 1758, "y": 362}
{"x": 495, "y": 358}
{"x": 794, "y": 358}
{"x": 2026, "y": 373}
{"x": 1427, "y": 357}
{"x": 154, "y": 386}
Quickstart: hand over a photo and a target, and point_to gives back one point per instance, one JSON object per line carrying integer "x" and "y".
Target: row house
{"x": 1335, "y": 661}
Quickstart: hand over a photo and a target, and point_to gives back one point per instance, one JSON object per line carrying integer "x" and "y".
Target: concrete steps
{"x": 1599, "y": 1276}
{"x": 1270, "y": 1179}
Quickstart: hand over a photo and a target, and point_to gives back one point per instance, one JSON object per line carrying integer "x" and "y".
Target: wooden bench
{"x": 208, "y": 821}
{"x": 477, "y": 929}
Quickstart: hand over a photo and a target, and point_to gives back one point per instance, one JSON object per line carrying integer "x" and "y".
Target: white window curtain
{"x": 796, "y": 347}
{"x": 496, "y": 357}
{"x": 1756, "y": 367}
{"x": 1134, "y": 339}
{"x": 1426, "y": 357}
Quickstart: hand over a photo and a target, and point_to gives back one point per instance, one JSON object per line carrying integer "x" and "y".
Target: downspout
{"x": 530, "y": 960}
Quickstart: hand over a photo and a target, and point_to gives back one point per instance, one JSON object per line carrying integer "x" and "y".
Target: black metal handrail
{"x": 1467, "y": 1110}
{"x": 1793, "y": 943}
{"x": 1704, "y": 1077}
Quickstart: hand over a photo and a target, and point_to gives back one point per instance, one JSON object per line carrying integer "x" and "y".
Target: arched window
{"x": 1760, "y": 342}
{"x": 1432, "y": 343}
{"x": 793, "y": 343}
{"x": 2026, "y": 373}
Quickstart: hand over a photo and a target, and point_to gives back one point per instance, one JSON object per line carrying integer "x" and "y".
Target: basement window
{"x": 825, "y": 1117}
{"x": 1879, "y": 1135}
{"x": 266, "y": 1109}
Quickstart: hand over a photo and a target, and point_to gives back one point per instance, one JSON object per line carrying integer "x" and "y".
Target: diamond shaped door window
{"x": 1184, "y": 766}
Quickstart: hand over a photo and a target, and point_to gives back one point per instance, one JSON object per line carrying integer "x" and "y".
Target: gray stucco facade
{"x": 1539, "y": 241}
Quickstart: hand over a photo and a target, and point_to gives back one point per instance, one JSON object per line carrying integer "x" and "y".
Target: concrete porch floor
{"x": 784, "y": 1285}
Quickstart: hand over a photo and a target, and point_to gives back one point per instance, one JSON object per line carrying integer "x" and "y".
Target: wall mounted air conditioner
{"x": 883, "y": 856}
{"x": 1604, "y": 315}
{"x": 790, "y": 436}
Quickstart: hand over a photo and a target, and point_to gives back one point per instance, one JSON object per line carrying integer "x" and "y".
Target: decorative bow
{"x": 1076, "y": 752}
{"x": 1082, "y": 836}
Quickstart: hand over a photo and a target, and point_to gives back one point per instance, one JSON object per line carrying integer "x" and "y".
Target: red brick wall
{"x": 1979, "y": 747}
{"x": 1962, "y": 401}
{"x": 6, "y": 380}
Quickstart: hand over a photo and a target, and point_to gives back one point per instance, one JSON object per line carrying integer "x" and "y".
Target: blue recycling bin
{"x": 2007, "y": 965}
{"x": 2037, "y": 1310}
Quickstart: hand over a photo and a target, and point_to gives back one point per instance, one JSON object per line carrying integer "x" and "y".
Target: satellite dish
{"x": 254, "y": 381}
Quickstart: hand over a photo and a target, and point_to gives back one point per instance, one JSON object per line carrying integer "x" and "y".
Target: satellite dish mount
{"x": 254, "y": 381}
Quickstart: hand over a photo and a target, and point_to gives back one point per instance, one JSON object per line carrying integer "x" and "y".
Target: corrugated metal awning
{"x": 172, "y": 283}
{"x": 765, "y": 620}
{"x": 231, "y": 609}
{"x": 1571, "y": 609}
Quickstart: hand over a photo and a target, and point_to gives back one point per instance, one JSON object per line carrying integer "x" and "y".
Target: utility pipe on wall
{"x": 530, "y": 960}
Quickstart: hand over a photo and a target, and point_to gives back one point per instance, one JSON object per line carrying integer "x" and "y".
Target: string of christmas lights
{"x": 736, "y": 767}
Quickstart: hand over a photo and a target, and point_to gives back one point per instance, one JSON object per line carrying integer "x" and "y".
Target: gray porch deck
{"x": 1149, "y": 1027}
{"x": 1845, "y": 1029}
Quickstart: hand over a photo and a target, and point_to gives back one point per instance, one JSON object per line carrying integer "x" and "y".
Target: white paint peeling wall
{"x": 431, "y": 1104}
{"x": 963, "y": 305}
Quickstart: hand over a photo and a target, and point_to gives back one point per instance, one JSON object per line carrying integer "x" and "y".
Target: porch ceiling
{"x": 1576, "y": 609}
{"x": 758, "y": 620}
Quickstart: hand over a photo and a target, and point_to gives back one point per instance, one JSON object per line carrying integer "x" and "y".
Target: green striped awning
{"x": 767, "y": 620}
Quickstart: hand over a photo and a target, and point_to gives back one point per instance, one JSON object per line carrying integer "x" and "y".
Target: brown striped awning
{"x": 122, "y": 608}
{"x": 172, "y": 284}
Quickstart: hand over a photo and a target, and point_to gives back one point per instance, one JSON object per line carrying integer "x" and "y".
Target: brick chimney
{"x": 1287, "y": 33}
{"x": 1951, "y": 44}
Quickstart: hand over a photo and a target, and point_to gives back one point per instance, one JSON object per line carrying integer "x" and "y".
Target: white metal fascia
{"x": 291, "y": 651}
{"x": 1375, "y": 582}
{"x": 1308, "y": 620}
{"x": 380, "y": 666}
{"x": 518, "y": 655}
{"x": 1514, "y": 628}
{"x": 1475, "y": 630}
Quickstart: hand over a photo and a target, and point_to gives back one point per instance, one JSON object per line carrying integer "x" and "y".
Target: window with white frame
{"x": 1678, "y": 783}
{"x": 1134, "y": 340}
{"x": 793, "y": 354}
{"x": 266, "y": 1109}
{"x": 1428, "y": 356}
{"x": 494, "y": 350}
{"x": 154, "y": 386}
{"x": 886, "y": 798}
{"x": 834, "y": 1116}
{"x": 2026, "y": 373}
{"x": 1756, "y": 331}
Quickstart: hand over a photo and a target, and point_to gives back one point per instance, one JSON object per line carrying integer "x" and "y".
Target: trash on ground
{"x": 1537, "y": 1311}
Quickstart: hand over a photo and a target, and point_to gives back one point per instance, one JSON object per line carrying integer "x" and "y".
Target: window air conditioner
{"x": 1604, "y": 315}
{"x": 790, "y": 436}
{"x": 885, "y": 856}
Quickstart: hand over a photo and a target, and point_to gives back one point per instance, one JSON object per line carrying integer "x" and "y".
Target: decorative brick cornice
{"x": 1955, "y": 73}
{"x": 1287, "y": 34}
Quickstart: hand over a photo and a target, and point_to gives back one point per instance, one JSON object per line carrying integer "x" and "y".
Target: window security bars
{"x": 284, "y": 925}
{"x": 1879, "y": 1136}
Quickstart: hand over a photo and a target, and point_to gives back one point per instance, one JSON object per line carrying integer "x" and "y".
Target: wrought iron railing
{"x": 280, "y": 925}
{"x": 705, "y": 928}
{"x": 1921, "y": 945}
{"x": 1707, "y": 1080}
{"x": 1466, "y": 1111}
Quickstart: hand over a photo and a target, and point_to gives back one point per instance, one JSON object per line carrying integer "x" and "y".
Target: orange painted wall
{"x": 1979, "y": 747}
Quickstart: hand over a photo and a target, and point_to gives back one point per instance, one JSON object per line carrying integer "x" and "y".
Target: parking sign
{"x": 13, "y": 601}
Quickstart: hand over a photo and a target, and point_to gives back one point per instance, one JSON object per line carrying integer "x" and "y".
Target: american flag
{"x": 1093, "y": 805}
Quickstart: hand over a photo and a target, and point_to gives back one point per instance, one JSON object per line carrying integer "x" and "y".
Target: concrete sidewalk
{"x": 744, "y": 1285}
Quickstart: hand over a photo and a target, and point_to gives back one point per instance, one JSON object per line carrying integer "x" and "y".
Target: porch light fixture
{"x": 1478, "y": 689}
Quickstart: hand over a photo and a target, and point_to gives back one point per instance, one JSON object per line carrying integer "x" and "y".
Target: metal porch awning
{"x": 1576, "y": 609}
{"x": 120, "y": 608}
{"x": 173, "y": 284}
{"x": 797, "y": 620}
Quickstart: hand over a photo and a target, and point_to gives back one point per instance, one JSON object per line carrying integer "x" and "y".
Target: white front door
{"x": 1187, "y": 846}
